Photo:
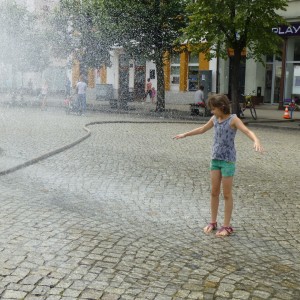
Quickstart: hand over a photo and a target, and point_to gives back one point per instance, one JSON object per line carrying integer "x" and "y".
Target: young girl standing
{"x": 223, "y": 157}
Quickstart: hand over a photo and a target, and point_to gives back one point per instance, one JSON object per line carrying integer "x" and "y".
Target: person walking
{"x": 44, "y": 94}
{"x": 223, "y": 157}
{"x": 148, "y": 90}
{"x": 30, "y": 87}
{"x": 67, "y": 87}
{"x": 81, "y": 87}
{"x": 153, "y": 94}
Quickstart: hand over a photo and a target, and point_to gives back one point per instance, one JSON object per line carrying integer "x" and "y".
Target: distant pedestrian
{"x": 292, "y": 108}
{"x": 44, "y": 95}
{"x": 223, "y": 157}
{"x": 199, "y": 96}
{"x": 81, "y": 87}
{"x": 30, "y": 87}
{"x": 148, "y": 89}
{"x": 153, "y": 94}
{"x": 67, "y": 87}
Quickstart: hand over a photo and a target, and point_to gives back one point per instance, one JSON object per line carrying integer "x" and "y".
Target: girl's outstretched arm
{"x": 238, "y": 124}
{"x": 195, "y": 131}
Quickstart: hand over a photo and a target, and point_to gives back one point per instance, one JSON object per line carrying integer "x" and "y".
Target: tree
{"x": 216, "y": 26}
{"x": 148, "y": 29}
{"x": 82, "y": 30}
{"x": 23, "y": 45}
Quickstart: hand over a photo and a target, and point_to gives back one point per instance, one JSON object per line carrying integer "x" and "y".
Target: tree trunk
{"x": 160, "y": 103}
{"x": 235, "y": 83}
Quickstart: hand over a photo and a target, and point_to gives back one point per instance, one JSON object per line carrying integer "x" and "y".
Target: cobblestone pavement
{"x": 120, "y": 215}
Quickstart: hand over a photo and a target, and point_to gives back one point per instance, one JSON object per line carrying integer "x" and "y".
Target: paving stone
{"x": 120, "y": 215}
{"x": 10, "y": 294}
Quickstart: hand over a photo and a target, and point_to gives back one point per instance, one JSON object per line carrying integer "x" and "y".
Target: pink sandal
{"x": 224, "y": 231}
{"x": 210, "y": 227}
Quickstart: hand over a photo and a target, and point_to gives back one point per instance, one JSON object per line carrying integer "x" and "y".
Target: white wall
{"x": 254, "y": 77}
{"x": 292, "y": 12}
{"x": 150, "y": 65}
{"x": 213, "y": 68}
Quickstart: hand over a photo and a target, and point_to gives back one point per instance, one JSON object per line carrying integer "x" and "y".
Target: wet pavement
{"x": 120, "y": 215}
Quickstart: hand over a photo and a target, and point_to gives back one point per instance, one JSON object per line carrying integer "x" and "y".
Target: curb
{"x": 268, "y": 126}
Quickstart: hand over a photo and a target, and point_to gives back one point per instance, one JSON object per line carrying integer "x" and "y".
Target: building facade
{"x": 271, "y": 83}
{"x": 278, "y": 79}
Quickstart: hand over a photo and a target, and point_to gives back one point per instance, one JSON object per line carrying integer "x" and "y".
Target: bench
{"x": 199, "y": 109}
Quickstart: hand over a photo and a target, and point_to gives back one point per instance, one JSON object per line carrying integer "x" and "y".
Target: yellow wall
{"x": 203, "y": 62}
{"x": 91, "y": 78}
{"x": 103, "y": 74}
{"x": 184, "y": 60}
{"x": 75, "y": 73}
{"x": 167, "y": 71}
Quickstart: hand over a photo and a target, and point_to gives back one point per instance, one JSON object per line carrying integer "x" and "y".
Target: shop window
{"x": 269, "y": 58}
{"x": 193, "y": 71}
{"x": 175, "y": 71}
{"x": 152, "y": 74}
{"x": 297, "y": 50}
{"x": 193, "y": 78}
{"x": 175, "y": 58}
{"x": 175, "y": 80}
{"x": 193, "y": 58}
{"x": 292, "y": 81}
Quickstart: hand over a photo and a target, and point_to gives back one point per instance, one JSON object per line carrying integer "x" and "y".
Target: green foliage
{"x": 235, "y": 24}
{"x": 23, "y": 44}
{"x": 148, "y": 28}
{"x": 82, "y": 29}
{"x": 215, "y": 26}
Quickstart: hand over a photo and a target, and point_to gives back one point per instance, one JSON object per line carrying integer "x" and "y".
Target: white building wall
{"x": 150, "y": 65}
{"x": 292, "y": 13}
{"x": 213, "y": 68}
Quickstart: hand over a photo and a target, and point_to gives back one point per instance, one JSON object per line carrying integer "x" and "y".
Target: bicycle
{"x": 248, "y": 103}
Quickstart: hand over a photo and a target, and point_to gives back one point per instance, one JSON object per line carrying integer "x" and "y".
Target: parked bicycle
{"x": 248, "y": 103}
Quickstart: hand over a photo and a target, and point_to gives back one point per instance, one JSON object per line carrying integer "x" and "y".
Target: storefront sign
{"x": 292, "y": 30}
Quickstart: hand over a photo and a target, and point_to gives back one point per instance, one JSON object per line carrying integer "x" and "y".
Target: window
{"x": 193, "y": 58}
{"x": 193, "y": 71}
{"x": 175, "y": 58}
{"x": 175, "y": 68}
{"x": 292, "y": 74}
{"x": 297, "y": 50}
{"x": 175, "y": 72}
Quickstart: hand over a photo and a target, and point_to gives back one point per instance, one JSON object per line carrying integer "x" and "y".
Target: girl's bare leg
{"x": 227, "y": 193}
{"x": 216, "y": 179}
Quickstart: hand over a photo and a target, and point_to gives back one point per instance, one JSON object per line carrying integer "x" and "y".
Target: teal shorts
{"x": 227, "y": 168}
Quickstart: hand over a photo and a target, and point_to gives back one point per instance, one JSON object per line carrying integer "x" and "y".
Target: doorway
{"x": 272, "y": 81}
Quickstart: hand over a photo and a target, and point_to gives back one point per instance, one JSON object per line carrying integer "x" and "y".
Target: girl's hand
{"x": 179, "y": 136}
{"x": 258, "y": 147}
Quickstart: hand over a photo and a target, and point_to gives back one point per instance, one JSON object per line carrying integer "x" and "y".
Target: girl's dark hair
{"x": 219, "y": 101}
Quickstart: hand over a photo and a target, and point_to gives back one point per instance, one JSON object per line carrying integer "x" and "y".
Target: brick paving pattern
{"x": 120, "y": 215}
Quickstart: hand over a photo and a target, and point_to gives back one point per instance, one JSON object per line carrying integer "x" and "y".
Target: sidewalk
{"x": 268, "y": 116}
